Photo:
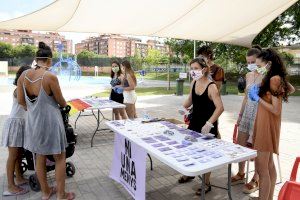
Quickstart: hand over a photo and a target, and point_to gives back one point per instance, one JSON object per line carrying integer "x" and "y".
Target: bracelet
{"x": 210, "y": 124}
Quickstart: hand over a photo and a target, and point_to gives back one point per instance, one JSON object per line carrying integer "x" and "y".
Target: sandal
{"x": 20, "y": 192}
{"x": 52, "y": 192}
{"x": 237, "y": 179}
{"x": 185, "y": 179}
{"x": 207, "y": 189}
{"x": 253, "y": 198}
{"x": 251, "y": 187}
{"x": 69, "y": 196}
{"x": 25, "y": 182}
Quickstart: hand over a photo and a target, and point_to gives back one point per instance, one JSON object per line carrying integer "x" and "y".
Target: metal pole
{"x": 194, "y": 48}
{"x": 169, "y": 84}
{"x": 229, "y": 182}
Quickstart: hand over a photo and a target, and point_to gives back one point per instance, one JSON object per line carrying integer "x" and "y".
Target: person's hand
{"x": 119, "y": 90}
{"x": 183, "y": 111}
{"x": 206, "y": 128}
{"x": 253, "y": 93}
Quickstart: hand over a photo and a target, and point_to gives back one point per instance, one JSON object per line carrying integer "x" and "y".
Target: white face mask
{"x": 196, "y": 74}
{"x": 263, "y": 70}
{"x": 252, "y": 67}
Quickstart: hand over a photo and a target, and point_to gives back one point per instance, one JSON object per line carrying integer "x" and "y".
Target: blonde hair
{"x": 129, "y": 70}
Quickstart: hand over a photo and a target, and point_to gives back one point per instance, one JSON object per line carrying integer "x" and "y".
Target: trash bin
{"x": 223, "y": 88}
{"x": 179, "y": 86}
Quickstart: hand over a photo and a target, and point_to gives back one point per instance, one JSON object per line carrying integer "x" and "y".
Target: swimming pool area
{"x": 64, "y": 81}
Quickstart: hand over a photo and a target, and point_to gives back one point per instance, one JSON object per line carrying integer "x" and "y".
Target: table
{"x": 98, "y": 104}
{"x": 168, "y": 143}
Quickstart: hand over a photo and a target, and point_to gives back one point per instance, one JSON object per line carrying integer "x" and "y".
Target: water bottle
{"x": 146, "y": 116}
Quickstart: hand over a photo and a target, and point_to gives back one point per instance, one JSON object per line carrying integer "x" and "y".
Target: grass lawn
{"x": 148, "y": 91}
{"x": 159, "y": 76}
{"x": 231, "y": 88}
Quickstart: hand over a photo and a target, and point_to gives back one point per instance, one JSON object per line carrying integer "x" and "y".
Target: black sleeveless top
{"x": 203, "y": 108}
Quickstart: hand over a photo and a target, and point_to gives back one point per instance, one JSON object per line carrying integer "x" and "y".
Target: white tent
{"x": 227, "y": 21}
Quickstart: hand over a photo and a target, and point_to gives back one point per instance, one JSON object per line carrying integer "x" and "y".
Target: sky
{"x": 15, "y": 8}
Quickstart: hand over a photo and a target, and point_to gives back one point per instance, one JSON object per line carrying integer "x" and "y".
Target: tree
{"x": 286, "y": 27}
{"x": 224, "y": 54}
{"x": 22, "y": 51}
{"x": 85, "y": 54}
{"x": 88, "y": 58}
{"x": 6, "y": 50}
{"x": 287, "y": 58}
{"x": 137, "y": 60}
{"x": 153, "y": 57}
{"x": 164, "y": 59}
{"x": 56, "y": 55}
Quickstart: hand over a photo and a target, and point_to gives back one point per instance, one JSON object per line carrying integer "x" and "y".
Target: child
{"x": 13, "y": 137}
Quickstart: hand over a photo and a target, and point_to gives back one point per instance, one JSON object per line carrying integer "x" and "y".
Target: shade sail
{"x": 227, "y": 21}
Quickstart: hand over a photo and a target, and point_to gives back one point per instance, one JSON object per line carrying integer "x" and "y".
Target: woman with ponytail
{"x": 273, "y": 90}
{"x": 39, "y": 92}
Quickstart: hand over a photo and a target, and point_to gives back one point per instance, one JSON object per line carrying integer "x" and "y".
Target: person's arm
{"x": 130, "y": 83}
{"x": 219, "y": 85}
{"x": 188, "y": 102}
{"x": 291, "y": 88}
{"x": 121, "y": 78}
{"x": 219, "y": 77}
{"x": 242, "y": 109}
{"x": 20, "y": 92}
{"x": 216, "y": 98}
{"x": 275, "y": 105}
{"x": 56, "y": 91}
{"x": 243, "y": 103}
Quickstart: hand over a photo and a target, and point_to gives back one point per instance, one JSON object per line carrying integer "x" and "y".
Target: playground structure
{"x": 66, "y": 66}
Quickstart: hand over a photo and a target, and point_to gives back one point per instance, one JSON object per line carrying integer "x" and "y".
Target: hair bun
{"x": 256, "y": 46}
{"x": 42, "y": 45}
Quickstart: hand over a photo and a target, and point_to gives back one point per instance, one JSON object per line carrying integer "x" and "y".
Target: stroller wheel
{"x": 24, "y": 167}
{"x": 34, "y": 183}
{"x": 70, "y": 169}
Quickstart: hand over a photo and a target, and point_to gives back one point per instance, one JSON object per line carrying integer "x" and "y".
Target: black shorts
{"x": 116, "y": 97}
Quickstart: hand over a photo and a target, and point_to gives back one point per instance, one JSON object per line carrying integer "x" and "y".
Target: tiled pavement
{"x": 91, "y": 180}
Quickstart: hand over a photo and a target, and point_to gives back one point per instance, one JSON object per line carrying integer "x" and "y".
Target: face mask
{"x": 196, "y": 74}
{"x": 115, "y": 69}
{"x": 263, "y": 70}
{"x": 252, "y": 67}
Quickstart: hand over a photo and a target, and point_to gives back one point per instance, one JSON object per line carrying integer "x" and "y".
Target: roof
{"x": 227, "y": 21}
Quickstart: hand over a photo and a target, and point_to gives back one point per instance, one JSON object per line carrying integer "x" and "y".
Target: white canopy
{"x": 227, "y": 21}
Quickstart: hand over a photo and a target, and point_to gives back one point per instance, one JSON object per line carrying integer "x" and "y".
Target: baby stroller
{"x": 28, "y": 162}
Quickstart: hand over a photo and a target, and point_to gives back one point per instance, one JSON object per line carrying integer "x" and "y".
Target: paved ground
{"x": 92, "y": 164}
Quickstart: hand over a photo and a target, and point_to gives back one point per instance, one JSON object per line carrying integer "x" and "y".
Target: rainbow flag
{"x": 77, "y": 105}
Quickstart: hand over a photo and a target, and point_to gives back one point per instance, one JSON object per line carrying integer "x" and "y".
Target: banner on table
{"x": 129, "y": 166}
{"x": 77, "y": 105}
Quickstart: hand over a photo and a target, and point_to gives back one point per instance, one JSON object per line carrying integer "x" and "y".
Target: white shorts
{"x": 129, "y": 97}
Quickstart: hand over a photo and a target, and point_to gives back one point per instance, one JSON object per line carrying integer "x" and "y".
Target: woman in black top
{"x": 207, "y": 106}
{"x": 116, "y": 94}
